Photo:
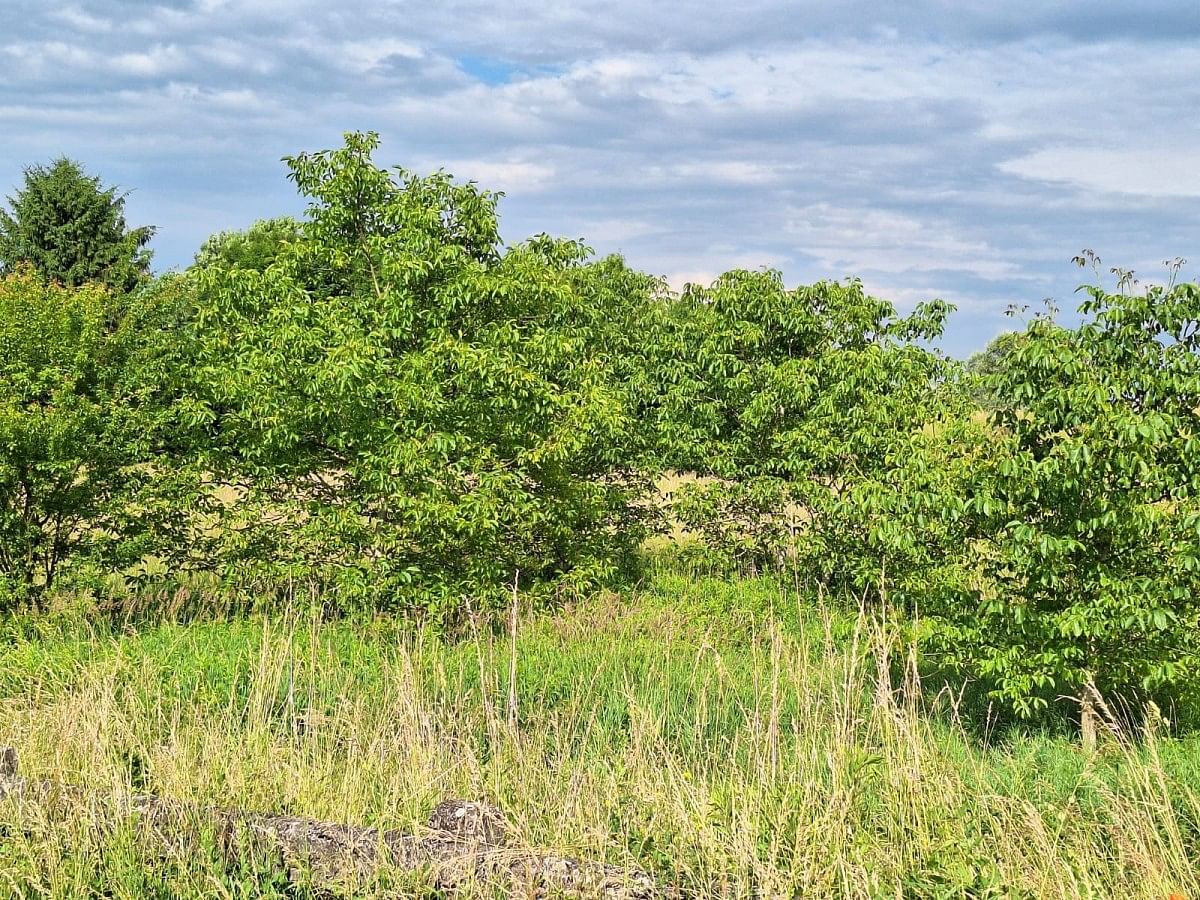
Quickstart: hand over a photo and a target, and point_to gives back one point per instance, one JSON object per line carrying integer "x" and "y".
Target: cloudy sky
{"x": 964, "y": 150}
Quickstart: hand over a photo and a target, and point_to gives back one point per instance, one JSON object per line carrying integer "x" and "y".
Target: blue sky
{"x": 959, "y": 150}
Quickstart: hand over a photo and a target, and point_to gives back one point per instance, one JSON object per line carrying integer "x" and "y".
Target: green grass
{"x": 730, "y": 736}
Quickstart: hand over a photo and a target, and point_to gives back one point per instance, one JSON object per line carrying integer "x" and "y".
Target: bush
{"x": 1053, "y": 544}
{"x": 1088, "y": 557}
{"x": 781, "y": 399}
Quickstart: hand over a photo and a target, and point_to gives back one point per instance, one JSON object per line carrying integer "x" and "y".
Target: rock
{"x": 472, "y": 822}
{"x": 467, "y": 847}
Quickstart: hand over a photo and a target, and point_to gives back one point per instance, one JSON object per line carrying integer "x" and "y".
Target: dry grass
{"x": 732, "y": 751}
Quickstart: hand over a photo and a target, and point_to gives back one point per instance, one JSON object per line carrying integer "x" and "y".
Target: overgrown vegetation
{"x": 383, "y": 408}
{"x": 734, "y": 739}
{"x": 86, "y": 437}
{"x": 419, "y": 414}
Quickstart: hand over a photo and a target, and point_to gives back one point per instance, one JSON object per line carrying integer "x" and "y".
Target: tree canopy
{"x": 254, "y": 248}
{"x": 430, "y": 414}
{"x": 81, "y": 429}
{"x": 70, "y": 228}
{"x": 389, "y": 402}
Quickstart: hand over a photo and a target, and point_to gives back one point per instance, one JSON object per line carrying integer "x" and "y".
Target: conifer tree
{"x": 72, "y": 230}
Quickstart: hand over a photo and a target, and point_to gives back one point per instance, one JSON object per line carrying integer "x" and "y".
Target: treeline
{"x": 387, "y": 401}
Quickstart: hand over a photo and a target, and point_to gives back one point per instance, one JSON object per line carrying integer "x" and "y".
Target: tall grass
{"x": 727, "y": 736}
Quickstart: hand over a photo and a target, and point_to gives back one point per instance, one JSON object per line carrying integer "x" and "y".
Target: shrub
{"x": 1088, "y": 522}
{"x": 782, "y": 398}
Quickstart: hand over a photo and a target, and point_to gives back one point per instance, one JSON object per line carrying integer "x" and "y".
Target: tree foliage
{"x": 1088, "y": 523}
{"x": 78, "y": 426}
{"x": 71, "y": 229}
{"x": 992, "y": 361}
{"x": 389, "y": 399}
{"x": 780, "y": 398}
{"x": 255, "y": 248}
{"x": 421, "y": 414}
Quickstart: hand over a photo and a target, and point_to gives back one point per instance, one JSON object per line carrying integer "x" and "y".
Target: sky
{"x": 963, "y": 150}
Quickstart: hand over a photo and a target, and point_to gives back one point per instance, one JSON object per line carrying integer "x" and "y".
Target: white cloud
{"x": 81, "y": 20}
{"x": 616, "y": 231}
{"x": 722, "y": 260}
{"x": 158, "y": 60}
{"x": 511, "y": 176}
{"x": 366, "y": 55}
{"x": 236, "y": 100}
{"x": 862, "y": 239}
{"x": 821, "y": 139}
{"x": 906, "y": 297}
{"x": 677, "y": 281}
{"x": 237, "y": 55}
{"x": 728, "y": 171}
{"x": 1168, "y": 171}
{"x": 38, "y": 58}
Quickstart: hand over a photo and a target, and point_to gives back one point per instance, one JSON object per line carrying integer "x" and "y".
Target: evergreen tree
{"x": 72, "y": 230}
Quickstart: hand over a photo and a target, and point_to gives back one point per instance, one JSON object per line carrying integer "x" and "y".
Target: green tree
{"x": 70, "y": 228}
{"x": 983, "y": 367}
{"x": 415, "y": 411}
{"x": 902, "y": 531}
{"x": 255, "y": 248}
{"x": 779, "y": 399}
{"x": 80, "y": 413}
{"x": 1086, "y": 522}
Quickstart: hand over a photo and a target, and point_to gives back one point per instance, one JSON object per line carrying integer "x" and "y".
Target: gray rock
{"x": 466, "y": 848}
{"x": 471, "y": 822}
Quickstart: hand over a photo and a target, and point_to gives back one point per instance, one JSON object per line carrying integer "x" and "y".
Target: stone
{"x": 469, "y": 821}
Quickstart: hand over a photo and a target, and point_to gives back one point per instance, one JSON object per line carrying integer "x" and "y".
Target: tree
{"x": 780, "y": 398}
{"x": 78, "y": 425}
{"x": 255, "y": 248}
{"x": 72, "y": 230}
{"x": 418, "y": 414}
{"x": 1086, "y": 534}
{"x": 902, "y": 531}
{"x": 983, "y": 367}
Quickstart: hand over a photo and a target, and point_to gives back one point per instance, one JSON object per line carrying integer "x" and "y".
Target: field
{"x": 375, "y": 509}
{"x": 734, "y": 737}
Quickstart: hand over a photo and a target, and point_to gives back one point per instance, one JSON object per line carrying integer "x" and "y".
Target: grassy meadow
{"x": 734, "y": 737}
{"x": 390, "y": 400}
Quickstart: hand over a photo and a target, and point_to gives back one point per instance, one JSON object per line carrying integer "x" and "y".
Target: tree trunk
{"x": 1088, "y": 719}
